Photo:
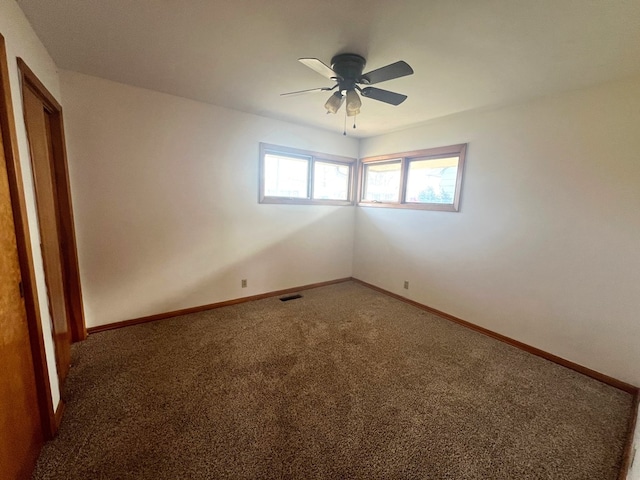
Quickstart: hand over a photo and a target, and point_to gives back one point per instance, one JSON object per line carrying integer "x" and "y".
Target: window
{"x": 289, "y": 175}
{"x": 285, "y": 176}
{"x": 425, "y": 179}
{"x": 382, "y": 182}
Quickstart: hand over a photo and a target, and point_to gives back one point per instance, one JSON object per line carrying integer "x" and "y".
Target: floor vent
{"x": 290, "y": 297}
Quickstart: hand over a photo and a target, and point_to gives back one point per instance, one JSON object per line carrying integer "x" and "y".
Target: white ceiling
{"x": 241, "y": 54}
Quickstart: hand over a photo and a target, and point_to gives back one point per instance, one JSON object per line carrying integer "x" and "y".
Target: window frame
{"x": 405, "y": 160}
{"x": 312, "y": 158}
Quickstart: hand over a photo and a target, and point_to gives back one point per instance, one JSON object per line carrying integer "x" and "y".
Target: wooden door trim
{"x": 63, "y": 191}
{"x": 25, "y": 254}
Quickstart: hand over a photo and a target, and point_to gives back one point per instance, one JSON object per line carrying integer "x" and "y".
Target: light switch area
{"x": 244, "y": 283}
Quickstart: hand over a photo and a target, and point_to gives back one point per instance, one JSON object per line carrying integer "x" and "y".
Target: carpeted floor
{"x": 342, "y": 383}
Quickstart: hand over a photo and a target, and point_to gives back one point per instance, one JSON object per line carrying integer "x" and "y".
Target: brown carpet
{"x": 342, "y": 383}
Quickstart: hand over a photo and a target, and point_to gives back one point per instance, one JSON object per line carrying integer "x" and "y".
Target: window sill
{"x": 305, "y": 201}
{"x": 438, "y": 207}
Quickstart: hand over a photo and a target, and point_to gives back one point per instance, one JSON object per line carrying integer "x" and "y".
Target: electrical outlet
{"x": 244, "y": 283}
{"x": 406, "y": 285}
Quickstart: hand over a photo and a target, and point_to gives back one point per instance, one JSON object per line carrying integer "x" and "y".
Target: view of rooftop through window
{"x": 382, "y": 182}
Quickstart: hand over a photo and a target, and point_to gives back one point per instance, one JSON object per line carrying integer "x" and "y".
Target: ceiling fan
{"x": 346, "y": 70}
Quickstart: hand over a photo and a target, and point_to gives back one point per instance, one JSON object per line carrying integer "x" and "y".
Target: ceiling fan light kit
{"x": 346, "y": 71}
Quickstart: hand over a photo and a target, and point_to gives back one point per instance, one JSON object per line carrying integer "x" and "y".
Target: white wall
{"x": 166, "y": 209}
{"x": 545, "y": 248}
{"x": 21, "y": 41}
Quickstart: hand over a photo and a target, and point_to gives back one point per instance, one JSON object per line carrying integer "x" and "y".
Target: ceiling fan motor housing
{"x": 349, "y": 66}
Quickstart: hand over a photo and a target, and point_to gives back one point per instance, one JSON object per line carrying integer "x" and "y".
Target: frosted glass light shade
{"x": 353, "y": 103}
{"x": 334, "y": 103}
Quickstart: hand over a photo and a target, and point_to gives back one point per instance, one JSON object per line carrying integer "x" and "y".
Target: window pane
{"x": 432, "y": 181}
{"x": 330, "y": 181}
{"x": 286, "y": 176}
{"x": 382, "y": 182}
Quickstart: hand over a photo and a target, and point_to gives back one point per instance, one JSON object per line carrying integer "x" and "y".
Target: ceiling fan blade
{"x": 309, "y": 90}
{"x": 318, "y": 66}
{"x": 383, "y": 95}
{"x": 395, "y": 70}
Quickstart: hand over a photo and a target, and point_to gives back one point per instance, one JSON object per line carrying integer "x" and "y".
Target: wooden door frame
{"x": 25, "y": 255}
{"x": 50, "y": 416}
{"x": 68, "y": 247}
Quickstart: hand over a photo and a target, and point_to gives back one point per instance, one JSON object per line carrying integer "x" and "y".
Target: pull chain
{"x": 344, "y": 130}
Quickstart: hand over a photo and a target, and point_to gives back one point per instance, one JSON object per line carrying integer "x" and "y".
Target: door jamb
{"x": 73, "y": 289}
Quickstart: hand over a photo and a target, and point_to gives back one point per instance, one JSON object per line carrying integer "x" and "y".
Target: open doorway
{"x": 23, "y": 376}
{"x": 27, "y": 405}
{"x": 45, "y": 133}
